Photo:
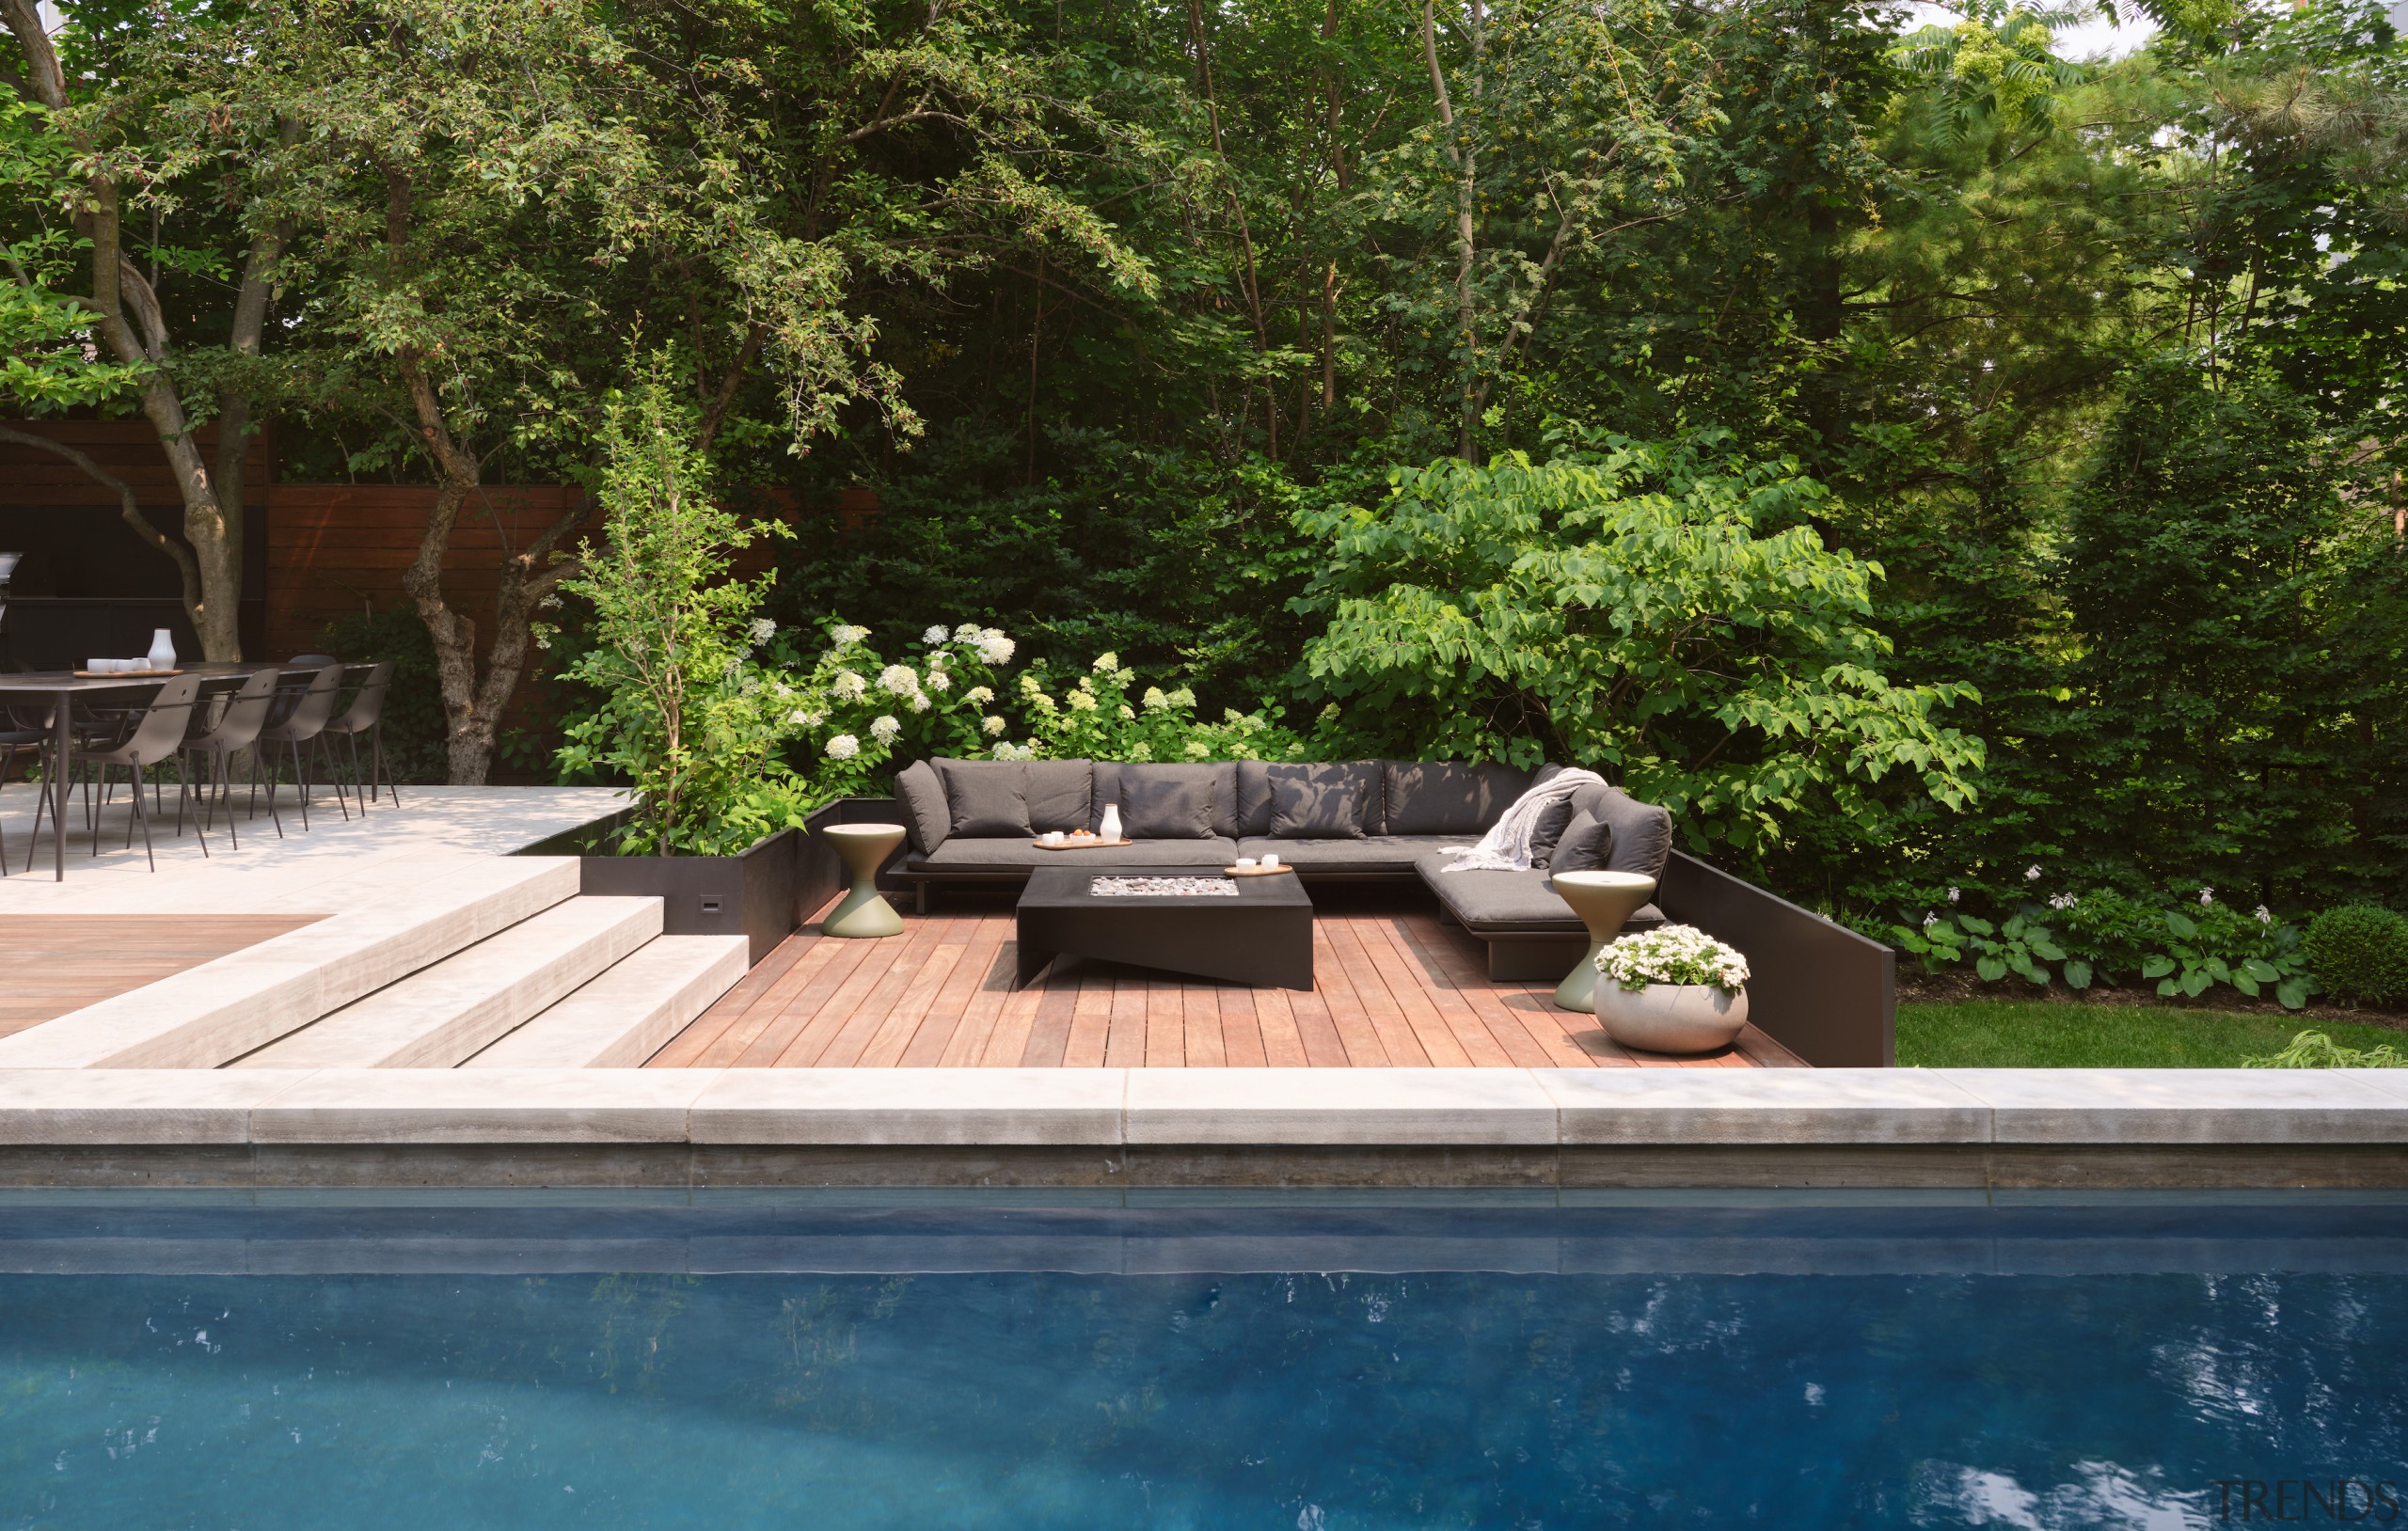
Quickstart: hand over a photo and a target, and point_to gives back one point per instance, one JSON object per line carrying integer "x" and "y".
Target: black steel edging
{"x": 1819, "y": 990}
{"x": 753, "y": 895}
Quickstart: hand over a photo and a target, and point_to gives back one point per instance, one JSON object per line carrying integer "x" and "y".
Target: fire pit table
{"x": 1256, "y": 931}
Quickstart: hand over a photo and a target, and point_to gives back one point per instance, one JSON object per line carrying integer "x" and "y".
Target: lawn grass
{"x": 2034, "y": 1033}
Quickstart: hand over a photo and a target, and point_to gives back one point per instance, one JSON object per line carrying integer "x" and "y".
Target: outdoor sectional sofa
{"x": 973, "y": 822}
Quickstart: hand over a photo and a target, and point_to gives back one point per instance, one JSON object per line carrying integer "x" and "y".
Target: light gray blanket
{"x": 1507, "y": 846}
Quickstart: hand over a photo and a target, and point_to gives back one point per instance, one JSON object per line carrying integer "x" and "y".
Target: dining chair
{"x": 154, "y": 738}
{"x": 238, "y": 728}
{"x": 16, "y": 740}
{"x": 365, "y": 714}
{"x": 301, "y": 724}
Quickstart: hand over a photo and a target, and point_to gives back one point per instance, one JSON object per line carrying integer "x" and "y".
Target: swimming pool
{"x": 1385, "y": 1365}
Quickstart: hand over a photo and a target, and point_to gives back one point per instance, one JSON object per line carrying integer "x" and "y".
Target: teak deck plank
{"x": 1392, "y": 990}
{"x": 57, "y": 963}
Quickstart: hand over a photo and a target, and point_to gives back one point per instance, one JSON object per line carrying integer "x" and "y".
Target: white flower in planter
{"x": 993, "y": 725}
{"x": 935, "y": 635}
{"x": 885, "y": 728}
{"x": 1676, "y": 954}
{"x": 843, "y": 747}
{"x": 848, "y": 686}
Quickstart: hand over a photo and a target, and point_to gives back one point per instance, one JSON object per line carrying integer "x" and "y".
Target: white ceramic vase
{"x": 163, "y": 650}
{"x": 1671, "y": 1018}
{"x": 1108, "y": 827}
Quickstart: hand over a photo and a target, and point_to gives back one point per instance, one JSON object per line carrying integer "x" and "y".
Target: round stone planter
{"x": 1671, "y": 1018}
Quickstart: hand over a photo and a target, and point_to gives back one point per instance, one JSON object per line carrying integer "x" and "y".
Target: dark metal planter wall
{"x": 754, "y": 895}
{"x": 1821, "y": 990}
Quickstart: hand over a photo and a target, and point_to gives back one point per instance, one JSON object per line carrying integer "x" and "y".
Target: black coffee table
{"x": 1263, "y": 937}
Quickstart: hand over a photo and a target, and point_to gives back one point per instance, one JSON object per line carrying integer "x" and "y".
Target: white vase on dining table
{"x": 163, "y": 650}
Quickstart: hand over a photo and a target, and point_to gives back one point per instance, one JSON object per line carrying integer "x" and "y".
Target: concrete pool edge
{"x": 1546, "y": 1131}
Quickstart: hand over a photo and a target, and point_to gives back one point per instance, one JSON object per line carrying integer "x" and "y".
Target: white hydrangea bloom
{"x": 781, "y": 690}
{"x": 1125, "y": 676}
{"x": 729, "y": 671}
{"x": 1082, "y": 701}
{"x": 935, "y": 635}
{"x": 1185, "y": 699}
{"x": 1198, "y": 749}
{"x": 902, "y": 680}
{"x": 840, "y": 635}
{"x": 843, "y": 747}
{"x": 849, "y": 687}
{"x": 939, "y": 680}
{"x": 1127, "y": 711}
{"x": 994, "y": 648}
{"x": 993, "y": 725}
{"x": 885, "y": 728}
{"x": 1678, "y": 955}
{"x": 919, "y": 701}
{"x": 1154, "y": 699}
{"x": 762, "y": 630}
{"x": 1104, "y": 663}
{"x": 967, "y": 633}
{"x": 978, "y": 696}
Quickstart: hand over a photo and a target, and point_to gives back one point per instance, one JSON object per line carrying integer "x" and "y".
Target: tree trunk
{"x": 1459, "y": 154}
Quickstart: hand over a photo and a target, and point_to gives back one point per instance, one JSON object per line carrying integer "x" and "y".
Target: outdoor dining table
{"x": 60, "y": 687}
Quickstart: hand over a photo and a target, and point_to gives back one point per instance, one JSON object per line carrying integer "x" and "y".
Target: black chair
{"x": 155, "y": 737}
{"x": 304, "y": 719}
{"x": 366, "y": 714}
{"x": 237, "y": 729}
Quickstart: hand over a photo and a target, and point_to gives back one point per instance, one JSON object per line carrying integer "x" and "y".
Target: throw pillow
{"x": 1586, "y": 843}
{"x": 1165, "y": 803}
{"x": 1553, "y": 820}
{"x": 1060, "y": 794}
{"x": 920, "y": 791}
{"x": 1327, "y": 805}
{"x": 1642, "y": 834}
{"x": 987, "y": 796}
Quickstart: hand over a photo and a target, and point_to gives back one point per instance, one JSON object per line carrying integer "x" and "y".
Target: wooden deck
{"x": 1393, "y": 988}
{"x": 56, "y": 963}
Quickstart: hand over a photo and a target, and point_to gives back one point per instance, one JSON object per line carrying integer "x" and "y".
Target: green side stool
{"x": 863, "y": 848}
{"x": 1603, "y": 900}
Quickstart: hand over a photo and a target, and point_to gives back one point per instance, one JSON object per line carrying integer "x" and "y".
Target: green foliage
{"x": 856, "y": 715}
{"x": 2037, "y": 1033}
{"x": 2314, "y": 1049}
{"x": 2360, "y": 951}
{"x": 2220, "y": 946}
{"x": 48, "y": 361}
{"x": 1659, "y": 610}
{"x": 414, "y": 725}
{"x": 1094, "y": 716}
{"x": 687, "y": 716}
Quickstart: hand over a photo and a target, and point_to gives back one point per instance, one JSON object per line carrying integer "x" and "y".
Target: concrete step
{"x": 206, "y": 1016}
{"x": 440, "y": 1015}
{"x": 630, "y": 1013}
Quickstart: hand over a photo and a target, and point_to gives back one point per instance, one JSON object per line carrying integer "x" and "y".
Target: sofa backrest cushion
{"x": 1115, "y": 781}
{"x": 1159, "y": 805}
{"x": 985, "y": 798}
{"x": 1324, "y": 802}
{"x": 1548, "y": 831}
{"x": 1447, "y": 797}
{"x": 1643, "y": 832}
{"x": 1255, "y": 777}
{"x": 925, "y": 815}
{"x": 1061, "y": 795}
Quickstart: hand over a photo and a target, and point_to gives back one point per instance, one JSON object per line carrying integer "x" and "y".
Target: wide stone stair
{"x": 500, "y": 963}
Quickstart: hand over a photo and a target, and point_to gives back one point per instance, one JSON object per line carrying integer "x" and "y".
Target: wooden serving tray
{"x": 126, "y": 674}
{"x": 1089, "y": 843}
{"x": 1256, "y": 871}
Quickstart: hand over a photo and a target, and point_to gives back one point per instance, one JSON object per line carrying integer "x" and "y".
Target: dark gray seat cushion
{"x": 1511, "y": 903}
{"x": 961, "y": 854}
{"x": 1115, "y": 780}
{"x": 986, "y": 797}
{"x": 920, "y": 791}
{"x": 1447, "y": 796}
{"x": 1255, "y": 778}
{"x": 1381, "y": 854}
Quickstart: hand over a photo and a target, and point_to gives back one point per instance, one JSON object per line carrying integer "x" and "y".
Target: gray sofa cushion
{"x": 1511, "y": 903}
{"x": 1159, "y": 805}
{"x": 1373, "y": 855}
{"x": 1014, "y": 853}
{"x": 1255, "y": 778}
{"x": 1586, "y": 845}
{"x": 1327, "y": 805}
{"x": 1110, "y": 776}
{"x": 1061, "y": 795}
{"x": 1643, "y": 833}
{"x": 920, "y": 791}
{"x": 1553, "y": 820}
{"x": 1447, "y": 797}
{"x": 986, "y": 797}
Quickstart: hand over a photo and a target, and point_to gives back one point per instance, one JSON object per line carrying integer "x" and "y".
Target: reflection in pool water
{"x": 1032, "y": 1399}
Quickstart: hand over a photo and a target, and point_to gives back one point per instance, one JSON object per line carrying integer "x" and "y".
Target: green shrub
{"x": 2361, "y": 952}
{"x": 2314, "y": 1049}
{"x": 414, "y": 725}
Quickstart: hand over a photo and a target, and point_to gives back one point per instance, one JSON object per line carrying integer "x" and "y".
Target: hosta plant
{"x": 1682, "y": 955}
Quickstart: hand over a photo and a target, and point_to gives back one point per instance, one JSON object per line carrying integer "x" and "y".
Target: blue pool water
{"x": 2085, "y": 1368}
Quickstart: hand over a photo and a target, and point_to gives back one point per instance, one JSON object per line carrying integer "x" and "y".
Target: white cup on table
{"x": 1270, "y": 860}
{"x": 1053, "y": 837}
{"x": 1245, "y": 864}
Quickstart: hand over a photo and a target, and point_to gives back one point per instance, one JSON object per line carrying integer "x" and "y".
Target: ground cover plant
{"x": 2037, "y": 1034}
